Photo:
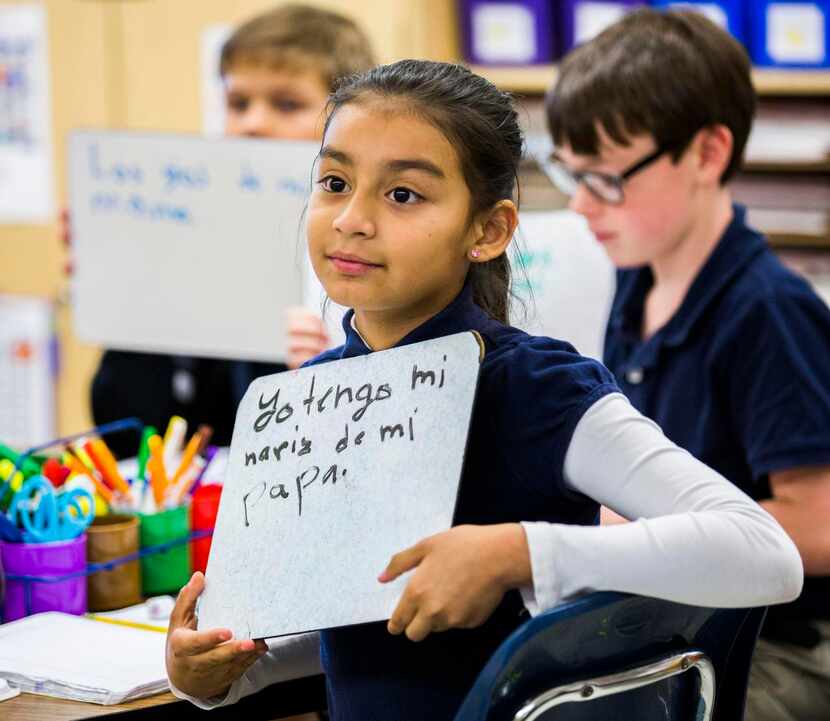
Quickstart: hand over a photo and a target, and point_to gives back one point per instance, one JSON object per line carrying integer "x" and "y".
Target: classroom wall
{"x": 135, "y": 64}
{"x": 32, "y": 256}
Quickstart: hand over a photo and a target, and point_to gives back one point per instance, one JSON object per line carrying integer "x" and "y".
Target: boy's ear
{"x": 714, "y": 146}
{"x": 494, "y": 229}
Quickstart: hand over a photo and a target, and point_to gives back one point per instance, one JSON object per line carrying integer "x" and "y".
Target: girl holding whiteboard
{"x": 408, "y": 225}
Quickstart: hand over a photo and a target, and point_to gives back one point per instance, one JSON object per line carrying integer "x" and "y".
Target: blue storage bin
{"x": 501, "y": 32}
{"x": 729, "y": 14}
{"x": 790, "y": 33}
{"x": 581, "y": 20}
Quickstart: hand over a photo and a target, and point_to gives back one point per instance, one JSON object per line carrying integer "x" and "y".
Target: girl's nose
{"x": 355, "y": 218}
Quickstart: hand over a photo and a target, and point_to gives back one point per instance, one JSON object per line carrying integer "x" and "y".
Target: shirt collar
{"x": 737, "y": 247}
{"x": 459, "y": 316}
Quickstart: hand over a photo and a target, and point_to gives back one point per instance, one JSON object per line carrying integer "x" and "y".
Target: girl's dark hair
{"x": 481, "y": 124}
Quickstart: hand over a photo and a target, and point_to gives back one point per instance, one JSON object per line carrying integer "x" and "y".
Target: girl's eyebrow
{"x": 396, "y": 165}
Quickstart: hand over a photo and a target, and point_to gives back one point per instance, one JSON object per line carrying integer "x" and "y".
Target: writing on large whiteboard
{"x": 122, "y": 187}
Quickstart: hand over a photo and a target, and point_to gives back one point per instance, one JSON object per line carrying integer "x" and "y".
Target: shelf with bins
{"x": 536, "y": 79}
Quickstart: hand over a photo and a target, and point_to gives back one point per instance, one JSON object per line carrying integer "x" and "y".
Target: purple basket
{"x": 501, "y": 32}
{"x": 581, "y": 20}
{"x": 44, "y": 561}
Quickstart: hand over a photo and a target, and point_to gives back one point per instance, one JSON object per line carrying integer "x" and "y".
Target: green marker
{"x": 144, "y": 450}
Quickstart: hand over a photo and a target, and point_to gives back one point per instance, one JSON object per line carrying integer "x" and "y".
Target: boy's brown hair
{"x": 664, "y": 74}
{"x": 299, "y": 37}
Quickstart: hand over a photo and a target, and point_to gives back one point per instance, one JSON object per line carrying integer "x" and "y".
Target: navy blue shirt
{"x": 739, "y": 376}
{"x": 531, "y": 394}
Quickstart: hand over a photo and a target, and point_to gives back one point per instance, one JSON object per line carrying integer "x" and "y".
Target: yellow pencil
{"x": 131, "y": 624}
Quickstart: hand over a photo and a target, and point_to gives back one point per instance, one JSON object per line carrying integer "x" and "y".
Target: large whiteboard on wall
{"x": 332, "y": 470}
{"x": 188, "y": 245}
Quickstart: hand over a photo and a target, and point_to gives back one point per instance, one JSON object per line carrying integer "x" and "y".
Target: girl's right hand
{"x": 307, "y": 336}
{"x": 204, "y": 664}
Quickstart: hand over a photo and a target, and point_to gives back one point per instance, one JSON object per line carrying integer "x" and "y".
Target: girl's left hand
{"x": 460, "y": 578}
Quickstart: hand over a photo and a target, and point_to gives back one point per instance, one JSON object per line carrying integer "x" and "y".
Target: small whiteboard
{"x": 566, "y": 280}
{"x": 187, "y": 245}
{"x": 332, "y": 470}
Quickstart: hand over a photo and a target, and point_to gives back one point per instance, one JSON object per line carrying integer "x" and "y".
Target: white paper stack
{"x": 57, "y": 654}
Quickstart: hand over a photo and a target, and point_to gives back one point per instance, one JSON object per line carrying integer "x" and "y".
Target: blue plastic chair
{"x": 622, "y": 657}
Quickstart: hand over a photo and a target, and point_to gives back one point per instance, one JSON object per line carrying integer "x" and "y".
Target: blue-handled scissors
{"x": 48, "y": 515}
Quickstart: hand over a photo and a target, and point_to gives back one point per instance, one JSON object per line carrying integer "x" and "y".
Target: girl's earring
{"x": 475, "y": 253}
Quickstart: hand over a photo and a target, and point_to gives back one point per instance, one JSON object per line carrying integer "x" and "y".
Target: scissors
{"x": 46, "y": 515}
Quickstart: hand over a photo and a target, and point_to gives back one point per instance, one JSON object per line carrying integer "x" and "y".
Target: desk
{"x": 280, "y": 701}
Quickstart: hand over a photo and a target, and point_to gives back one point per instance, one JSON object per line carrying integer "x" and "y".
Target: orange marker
{"x": 187, "y": 457}
{"x": 78, "y": 468}
{"x": 107, "y": 466}
{"x": 188, "y": 479}
{"x": 158, "y": 476}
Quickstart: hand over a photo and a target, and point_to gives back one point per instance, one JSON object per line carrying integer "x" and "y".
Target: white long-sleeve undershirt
{"x": 696, "y": 539}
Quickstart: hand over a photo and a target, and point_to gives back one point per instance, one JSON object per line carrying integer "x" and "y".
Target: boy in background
{"x": 709, "y": 334}
{"x": 278, "y": 69}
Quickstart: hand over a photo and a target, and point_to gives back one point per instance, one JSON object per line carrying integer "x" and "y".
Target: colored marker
{"x": 174, "y": 440}
{"x": 189, "y": 454}
{"x": 30, "y": 466}
{"x": 206, "y": 433}
{"x": 158, "y": 476}
{"x": 107, "y": 466}
{"x": 188, "y": 480}
{"x": 79, "y": 469}
{"x": 144, "y": 450}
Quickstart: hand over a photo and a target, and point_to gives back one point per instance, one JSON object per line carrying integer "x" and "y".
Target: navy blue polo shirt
{"x": 531, "y": 394}
{"x": 740, "y": 375}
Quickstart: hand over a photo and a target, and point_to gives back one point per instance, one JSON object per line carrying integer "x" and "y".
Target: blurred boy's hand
{"x": 460, "y": 577}
{"x": 307, "y": 336}
{"x": 204, "y": 664}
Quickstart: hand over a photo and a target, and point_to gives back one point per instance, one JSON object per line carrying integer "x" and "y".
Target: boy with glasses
{"x": 709, "y": 334}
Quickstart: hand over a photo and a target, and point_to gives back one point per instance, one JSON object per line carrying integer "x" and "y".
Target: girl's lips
{"x": 351, "y": 265}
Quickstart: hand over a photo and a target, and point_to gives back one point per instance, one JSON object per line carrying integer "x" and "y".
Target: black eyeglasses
{"x": 608, "y": 188}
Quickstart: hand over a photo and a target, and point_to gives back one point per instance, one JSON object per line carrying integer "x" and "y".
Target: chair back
{"x": 620, "y": 656}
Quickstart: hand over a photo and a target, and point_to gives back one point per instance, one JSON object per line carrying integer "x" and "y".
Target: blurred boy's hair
{"x": 664, "y": 74}
{"x": 299, "y": 37}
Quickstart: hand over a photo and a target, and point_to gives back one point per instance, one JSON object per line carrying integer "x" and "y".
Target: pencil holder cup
{"x": 165, "y": 571}
{"x": 42, "y": 563}
{"x": 203, "y": 507}
{"x": 108, "y": 538}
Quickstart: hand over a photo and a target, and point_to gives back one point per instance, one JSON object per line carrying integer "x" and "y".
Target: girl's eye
{"x": 333, "y": 184}
{"x": 404, "y": 196}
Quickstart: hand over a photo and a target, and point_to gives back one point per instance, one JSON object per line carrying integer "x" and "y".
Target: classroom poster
{"x": 26, "y": 174}
{"x": 27, "y": 391}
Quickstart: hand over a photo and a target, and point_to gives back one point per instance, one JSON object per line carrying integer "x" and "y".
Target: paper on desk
{"x": 58, "y": 654}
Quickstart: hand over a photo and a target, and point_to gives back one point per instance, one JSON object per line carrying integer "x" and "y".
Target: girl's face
{"x": 389, "y": 218}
